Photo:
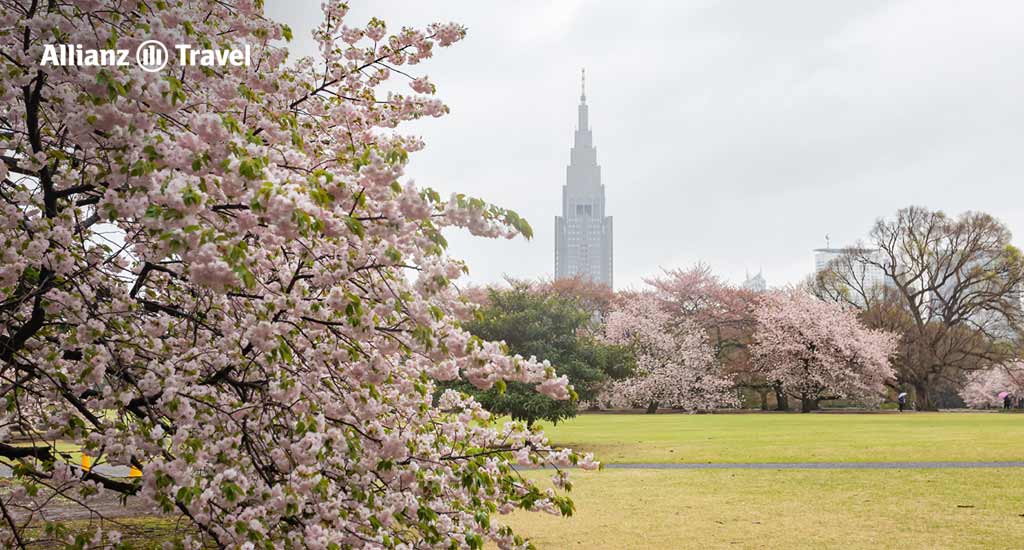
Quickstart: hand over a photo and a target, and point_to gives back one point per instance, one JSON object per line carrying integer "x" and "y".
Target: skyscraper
{"x": 755, "y": 283}
{"x": 583, "y": 234}
{"x": 854, "y": 270}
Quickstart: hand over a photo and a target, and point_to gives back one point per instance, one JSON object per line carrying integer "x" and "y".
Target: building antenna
{"x": 827, "y": 241}
{"x": 583, "y": 84}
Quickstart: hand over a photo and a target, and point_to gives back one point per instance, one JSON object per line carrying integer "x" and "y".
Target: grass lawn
{"x": 795, "y": 437}
{"x": 786, "y": 509}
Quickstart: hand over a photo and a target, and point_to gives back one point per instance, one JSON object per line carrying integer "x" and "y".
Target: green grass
{"x": 794, "y": 437}
{"x": 905, "y": 509}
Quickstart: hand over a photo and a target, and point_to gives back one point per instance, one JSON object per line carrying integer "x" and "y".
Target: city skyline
{"x": 739, "y": 137}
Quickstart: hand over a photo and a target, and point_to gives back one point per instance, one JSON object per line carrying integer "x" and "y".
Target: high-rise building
{"x": 755, "y": 283}
{"x": 855, "y": 268}
{"x": 583, "y": 234}
{"x": 971, "y": 281}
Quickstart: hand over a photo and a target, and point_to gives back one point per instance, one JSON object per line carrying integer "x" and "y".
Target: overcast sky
{"x": 738, "y": 133}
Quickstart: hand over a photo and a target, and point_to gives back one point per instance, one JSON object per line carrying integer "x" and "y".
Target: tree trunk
{"x": 763, "y": 392}
{"x": 652, "y": 408}
{"x": 922, "y": 398}
{"x": 781, "y": 400}
{"x": 808, "y": 404}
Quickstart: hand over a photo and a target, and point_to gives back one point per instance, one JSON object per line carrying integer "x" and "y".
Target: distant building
{"x": 993, "y": 321}
{"x": 860, "y": 276}
{"x": 583, "y": 234}
{"x": 755, "y": 283}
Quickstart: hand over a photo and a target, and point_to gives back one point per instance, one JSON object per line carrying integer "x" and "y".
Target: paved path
{"x": 815, "y": 465}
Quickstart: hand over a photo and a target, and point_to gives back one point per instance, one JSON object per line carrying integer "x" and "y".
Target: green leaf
{"x": 355, "y": 226}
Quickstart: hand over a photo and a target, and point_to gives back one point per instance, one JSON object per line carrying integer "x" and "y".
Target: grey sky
{"x": 734, "y": 132}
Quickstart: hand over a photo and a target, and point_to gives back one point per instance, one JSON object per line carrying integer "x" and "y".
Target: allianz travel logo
{"x": 151, "y": 56}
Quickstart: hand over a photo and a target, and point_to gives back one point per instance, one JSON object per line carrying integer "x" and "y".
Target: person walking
{"x": 1006, "y": 401}
{"x": 902, "y": 400}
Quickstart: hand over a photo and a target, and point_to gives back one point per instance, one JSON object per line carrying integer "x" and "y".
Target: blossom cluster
{"x": 675, "y": 366}
{"x": 816, "y": 349}
{"x": 987, "y": 387}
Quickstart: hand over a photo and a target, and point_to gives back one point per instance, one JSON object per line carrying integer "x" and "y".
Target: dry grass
{"x": 903, "y": 509}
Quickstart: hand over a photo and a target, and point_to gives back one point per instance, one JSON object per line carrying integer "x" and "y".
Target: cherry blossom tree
{"x": 595, "y": 297}
{"x": 222, "y": 277}
{"x": 983, "y": 387}
{"x": 724, "y": 311}
{"x": 819, "y": 350}
{"x": 700, "y": 296}
{"x": 675, "y": 366}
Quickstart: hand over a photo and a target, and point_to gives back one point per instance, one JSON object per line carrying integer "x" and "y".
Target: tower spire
{"x": 583, "y": 124}
{"x": 583, "y": 85}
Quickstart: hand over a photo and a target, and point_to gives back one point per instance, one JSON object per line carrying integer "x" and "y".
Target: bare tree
{"x": 950, "y": 287}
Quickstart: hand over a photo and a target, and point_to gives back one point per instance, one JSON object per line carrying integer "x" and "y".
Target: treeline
{"x": 950, "y": 289}
{"x": 930, "y": 305}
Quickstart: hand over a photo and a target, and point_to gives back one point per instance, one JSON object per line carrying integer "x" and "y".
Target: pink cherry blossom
{"x": 819, "y": 350}
{"x": 422, "y": 86}
{"x": 984, "y": 387}
{"x": 675, "y": 367}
